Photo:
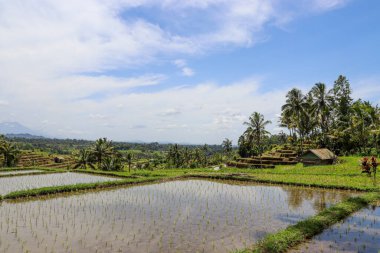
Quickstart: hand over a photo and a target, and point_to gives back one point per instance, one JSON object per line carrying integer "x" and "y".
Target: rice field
{"x": 358, "y": 233}
{"x": 11, "y": 184}
{"x": 17, "y": 172}
{"x": 177, "y": 216}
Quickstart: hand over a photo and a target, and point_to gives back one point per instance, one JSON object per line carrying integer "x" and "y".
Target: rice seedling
{"x": 176, "y": 216}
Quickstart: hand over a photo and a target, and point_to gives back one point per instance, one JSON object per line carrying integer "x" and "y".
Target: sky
{"x": 185, "y": 71}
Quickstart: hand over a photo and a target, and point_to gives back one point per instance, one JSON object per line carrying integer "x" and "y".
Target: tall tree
{"x": 321, "y": 107}
{"x": 10, "y": 153}
{"x": 227, "y": 147}
{"x": 256, "y": 132}
{"x": 294, "y": 108}
{"x": 102, "y": 149}
{"x": 84, "y": 159}
{"x": 129, "y": 158}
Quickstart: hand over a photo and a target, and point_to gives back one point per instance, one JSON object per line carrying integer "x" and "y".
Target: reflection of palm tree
{"x": 10, "y": 152}
{"x": 84, "y": 159}
{"x": 295, "y": 197}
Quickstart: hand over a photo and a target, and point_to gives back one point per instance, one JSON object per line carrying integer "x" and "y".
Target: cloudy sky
{"x": 176, "y": 70}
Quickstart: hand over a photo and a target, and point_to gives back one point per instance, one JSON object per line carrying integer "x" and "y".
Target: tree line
{"x": 321, "y": 117}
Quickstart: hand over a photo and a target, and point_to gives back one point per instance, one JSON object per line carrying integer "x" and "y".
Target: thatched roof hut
{"x": 321, "y": 156}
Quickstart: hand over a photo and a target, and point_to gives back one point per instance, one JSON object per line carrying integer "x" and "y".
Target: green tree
{"x": 227, "y": 147}
{"x": 84, "y": 159}
{"x": 129, "y": 158}
{"x": 10, "y": 153}
{"x": 102, "y": 149}
{"x": 256, "y": 132}
{"x": 112, "y": 163}
{"x": 321, "y": 108}
{"x": 294, "y": 109}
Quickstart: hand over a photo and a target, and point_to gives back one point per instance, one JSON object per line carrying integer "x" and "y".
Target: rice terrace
{"x": 189, "y": 126}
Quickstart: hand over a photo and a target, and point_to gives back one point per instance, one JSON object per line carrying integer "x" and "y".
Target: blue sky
{"x": 179, "y": 71}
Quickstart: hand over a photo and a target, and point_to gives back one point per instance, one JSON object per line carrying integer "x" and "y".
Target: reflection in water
{"x": 179, "y": 216}
{"x": 358, "y": 233}
{"x": 319, "y": 198}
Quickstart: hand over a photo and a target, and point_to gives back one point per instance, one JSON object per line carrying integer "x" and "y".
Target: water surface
{"x": 358, "y": 233}
{"x": 11, "y": 184}
{"x": 178, "y": 216}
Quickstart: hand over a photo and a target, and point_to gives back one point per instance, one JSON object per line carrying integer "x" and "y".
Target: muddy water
{"x": 358, "y": 233}
{"x": 178, "y": 216}
{"x": 11, "y": 184}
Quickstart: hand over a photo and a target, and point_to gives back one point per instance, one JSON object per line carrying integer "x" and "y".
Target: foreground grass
{"x": 306, "y": 229}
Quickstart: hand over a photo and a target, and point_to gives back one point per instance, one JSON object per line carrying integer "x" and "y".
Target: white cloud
{"x": 54, "y": 56}
{"x": 187, "y": 71}
{"x": 182, "y": 65}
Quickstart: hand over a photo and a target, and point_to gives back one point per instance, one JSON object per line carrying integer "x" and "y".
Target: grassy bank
{"x": 306, "y": 229}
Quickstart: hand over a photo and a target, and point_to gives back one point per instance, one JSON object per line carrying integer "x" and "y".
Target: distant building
{"x": 321, "y": 156}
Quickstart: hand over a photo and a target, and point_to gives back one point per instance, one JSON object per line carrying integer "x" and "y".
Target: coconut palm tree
{"x": 227, "y": 147}
{"x": 256, "y": 131}
{"x": 102, "y": 149}
{"x": 10, "y": 152}
{"x": 294, "y": 107}
{"x": 129, "y": 158}
{"x": 112, "y": 163}
{"x": 84, "y": 159}
{"x": 321, "y": 107}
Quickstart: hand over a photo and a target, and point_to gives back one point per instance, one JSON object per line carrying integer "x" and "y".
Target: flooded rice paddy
{"x": 11, "y": 184}
{"x": 16, "y": 172}
{"x": 177, "y": 216}
{"x": 358, "y": 233}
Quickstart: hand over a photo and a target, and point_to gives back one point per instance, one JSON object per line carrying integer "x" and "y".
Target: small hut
{"x": 321, "y": 156}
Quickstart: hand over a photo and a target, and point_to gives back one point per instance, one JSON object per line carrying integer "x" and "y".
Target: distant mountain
{"x": 15, "y": 128}
{"x": 24, "y": 136}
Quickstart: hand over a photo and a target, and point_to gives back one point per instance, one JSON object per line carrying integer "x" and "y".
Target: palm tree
{"x": 321, "y": 107}
{"x": 227, "y": 147}
{"x": 129, "y": 160}
{"x": 112, "y": 163}
{"x": 102, "y": 149}
{"x": 256, "y": 131}
{"x": 84, "y": 159}
{"x": 294, "y": 107}
{"x": 10, "y": 152}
